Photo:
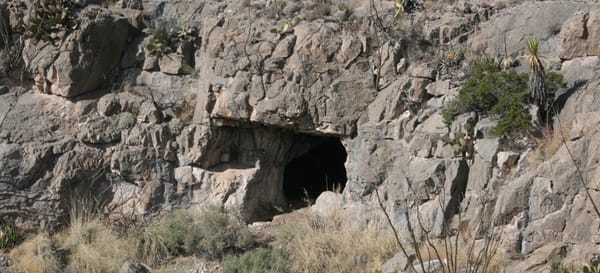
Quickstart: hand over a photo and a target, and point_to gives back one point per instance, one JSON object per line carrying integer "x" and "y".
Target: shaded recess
{"x": 319, "y": 169}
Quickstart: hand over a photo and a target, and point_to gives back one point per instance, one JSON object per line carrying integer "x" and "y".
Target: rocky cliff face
{"x": 216, "y": 111}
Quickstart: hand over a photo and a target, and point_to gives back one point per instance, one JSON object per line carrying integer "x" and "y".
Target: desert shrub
{"x": 222, "y": 232}
{"x": 588, "y": 267}
{"x": 168, "y": 35}
{"x": 314, "y": 244}
{"x": 490, "y": 91}
{"x": 50, "y": 18}
{"x": 260, "y": 260}
{"x": 9, "y": 235}
{"x": 214, "y": 233}
{"x": 159, "y": 43}
{"x": 591, "y": 267}
{"x": 558, "y": 267}
{"x": 11, "y": 46}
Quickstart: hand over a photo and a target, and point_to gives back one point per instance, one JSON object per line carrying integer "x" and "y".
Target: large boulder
{"x": 86, "y": 60}
{"x": 580, "y": 35}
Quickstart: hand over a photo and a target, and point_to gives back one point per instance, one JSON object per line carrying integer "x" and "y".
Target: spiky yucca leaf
{"x": 399, "y": 8}
{"x": 535, "y": 62}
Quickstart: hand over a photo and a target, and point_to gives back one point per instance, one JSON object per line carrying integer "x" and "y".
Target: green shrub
{"x": 159, "y": 43}
{"x": 9, "y": 236}
{"x": 168, "y": 35}
{"x": 214, "y": 233}
{"x": 502, "y": 95}
{"x": 49, "y": 18}
{"x": 259, "y": 260}
{"x": 222, "y": 232}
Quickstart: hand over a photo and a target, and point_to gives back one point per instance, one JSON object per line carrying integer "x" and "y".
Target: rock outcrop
{"x": 146, "y": 128}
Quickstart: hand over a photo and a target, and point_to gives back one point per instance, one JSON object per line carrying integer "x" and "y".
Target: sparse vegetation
{"x": 504, "y": 95}
{"x": 469, "y": 245}
{"x": 589, "y": 267}
{"x": 89, "y": 245}
{"x": 260, "y": 260}
{"x": 548, "y": 146}
{"x": 214, "y": 233}
{"x": 9, "y": 235}
{"x": 11, "y": 46}
{"x": 51, "y": 19}
{"x": 168, "y": 35}
{"x": 75, "y": 250}
{"x": 316, "y": 244}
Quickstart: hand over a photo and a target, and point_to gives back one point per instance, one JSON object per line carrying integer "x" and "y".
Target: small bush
{"x": 222, "y": 232}
{"x": 168, "y": 35}
{"x": 9, "y": 235}
{"x": 503, "y": 95}
{"x": 50, "y": 18}
{"x": 259, "y": 260}
{"x": 213, "y": 234}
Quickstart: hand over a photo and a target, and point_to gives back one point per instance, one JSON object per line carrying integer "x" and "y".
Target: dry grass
{"x": 26, "y": 259}
{"x": 90, "y": 245}
{"x": 315, "y": 244}
{"x": 95, "y": 247}
{"x": 428, "y": 252}
{"x": 548, "y": 146}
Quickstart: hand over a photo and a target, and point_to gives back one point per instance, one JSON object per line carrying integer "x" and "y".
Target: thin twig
{"x": 577, "y": 168}
{"x": 389, "y": 220}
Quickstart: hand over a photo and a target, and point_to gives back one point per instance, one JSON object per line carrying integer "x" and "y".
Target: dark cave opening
{"x": 319, "y": 169}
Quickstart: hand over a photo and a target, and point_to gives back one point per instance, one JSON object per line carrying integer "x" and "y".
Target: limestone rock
{"x": 581, "y": 69}
{"x": 171, "y": 63}
{"x": 580, "y": 35}
{"x": 542, "y": 20}
{"x": 439, "y": 88}
{"x": 507, "y": 159}
{"x": 397, "y": 263}
{"x": 327, "y": 203}
{"x": 88, "y": 58}
{"x": 132, "y": 266}
{"x": 422, "y": 71}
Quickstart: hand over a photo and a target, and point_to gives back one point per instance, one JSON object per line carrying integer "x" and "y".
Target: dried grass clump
{"x": 87, "y": 246}
{"x": 316, "y": 244}
{"x": 26, "y": 259}
{"x": 549, "y": 145}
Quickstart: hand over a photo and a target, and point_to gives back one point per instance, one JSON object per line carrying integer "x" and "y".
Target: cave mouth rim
{"x": 319, "y": 168}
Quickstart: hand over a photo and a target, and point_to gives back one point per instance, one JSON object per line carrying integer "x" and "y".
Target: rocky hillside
{"x": 154, "y": 105}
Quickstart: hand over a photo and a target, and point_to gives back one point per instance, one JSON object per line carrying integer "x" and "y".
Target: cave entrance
{"x": 320, "y": 168}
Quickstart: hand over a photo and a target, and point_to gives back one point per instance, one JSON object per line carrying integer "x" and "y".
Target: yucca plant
{"x": 9, "y": 236}
{"x": 537, "y": 75}
{"x": 593, "y": 267}
{"x": 345, "y": 9}
{"x": 399, "y": 8}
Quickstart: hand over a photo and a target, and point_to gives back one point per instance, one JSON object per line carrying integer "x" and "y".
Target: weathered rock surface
{"x": 131, "y": 128}
{"x": 87, "y": 59}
